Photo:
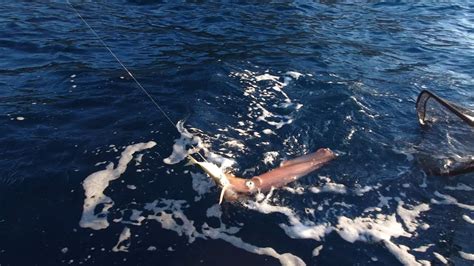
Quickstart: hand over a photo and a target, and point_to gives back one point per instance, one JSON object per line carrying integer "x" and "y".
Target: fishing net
{"x": 447, "y": 146}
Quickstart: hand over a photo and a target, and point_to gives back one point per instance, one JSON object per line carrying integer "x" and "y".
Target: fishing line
{"x": 128, "y": 72}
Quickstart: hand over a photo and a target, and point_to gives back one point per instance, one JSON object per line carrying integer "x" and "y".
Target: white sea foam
{"x": 468, "y": 219}
{"x": 214, "y": 211}
{"x": 269, "y": 157}
{"x": 401, "y": 253}
{"x": 124, "y": 236}
{"x": 423, "y": 248}
{"x": 330, "y": 188}
{"x": 266, "y": 77}
{"x": 100, "y": 163}
{"x": 95, "y": 184}
{"x": 409, "y": 216}
{"x": 295, "y": 227}
{"x": 132, "y": 187}
{"x": 380, "y": 228}
{"x": 180, "y": 145}
{"x": 178, "y": 222}
{"x": 384, "y": 201}
{"x": 202, "y": 184}
{"x": 317, "y": 250}
{"x": 189, "y": 144}
{"x": 440, "y": 258}
{"x": 285, "y": 259}
{"x": 296, "y": 190}
{"x": 135, "y": 218}
{"x": 466, "y": 256}
{"x": 372, "y": 209}
{"x": 449, "y": 200}
{"x": 139, "y": 159}
{"x": 268, "y": 131}
{"x": 222, "y": 162}
{"x": 235, "y": 143}
{"x": 294, "y": 74}
{"x": 174, "y": 221}
{"x": 360, "y": 191}
{"x": 383, "y": 227}
{"x": 424, "y": 262}
{"x": 306, "y": 230}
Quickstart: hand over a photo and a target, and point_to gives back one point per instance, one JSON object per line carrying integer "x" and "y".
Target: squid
{"x": 233, "y": 187}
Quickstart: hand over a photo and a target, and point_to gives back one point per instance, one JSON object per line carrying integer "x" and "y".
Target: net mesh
{"x": 447, "y": 146}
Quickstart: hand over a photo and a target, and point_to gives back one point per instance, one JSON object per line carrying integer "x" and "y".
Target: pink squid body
{"x": 289, "y": 171}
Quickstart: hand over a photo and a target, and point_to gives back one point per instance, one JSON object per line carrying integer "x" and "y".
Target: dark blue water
{"x": 64, "y": 100}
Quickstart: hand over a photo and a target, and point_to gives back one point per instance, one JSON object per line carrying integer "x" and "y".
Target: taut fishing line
{"x": 128, "y": 72}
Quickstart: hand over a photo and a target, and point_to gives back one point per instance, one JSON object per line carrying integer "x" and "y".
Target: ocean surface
{"x": 91, "y": 173}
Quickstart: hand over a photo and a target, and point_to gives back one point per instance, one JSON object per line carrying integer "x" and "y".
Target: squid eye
{"x": 250, "y": 184}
